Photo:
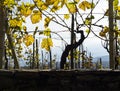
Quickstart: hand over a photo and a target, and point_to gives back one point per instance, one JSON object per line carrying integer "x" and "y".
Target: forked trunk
{"x": 69, "y": 48}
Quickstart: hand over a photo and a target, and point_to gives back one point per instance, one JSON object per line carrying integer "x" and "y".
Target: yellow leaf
{"x": 55, "y": 8}
{"x": 36, "y": 17}
{"x": 118, "y": 8}
{"x": 50, "y": 2}
{"x": 47, "y": 32}
{"x": 50, "y": 43}
{"x": 15, "y": 23}
{"x": 87, "y": 31}
{"x": 28, "y": 12}
{"x": 47, "y": 21}
{"x": 9, "y": 3}
{"x": 19, "y": 23}
{"x": 28, "y": 40}
{"x": 63, "y": 2}
{"x": 56, "y": 3}
{"x": 87, "y": 21}
{"x": 85, "y": 5}
{"x": 66, "y": 16}
{"x": 105, "y": 29}
{"x": 115, "y": 4}
{"x": 12, "y": 22}
{"x": 46, "y": 43}
{"x": 25, "y": 9}
{"x": 82, "y": 6}
{"x": 72, "y": 7}
{"x": 102, "y": 34}
{"x": 44, "y": 7}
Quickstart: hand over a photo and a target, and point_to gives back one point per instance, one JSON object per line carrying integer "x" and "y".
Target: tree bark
{"x": 2, "y": 34}
{"x": 69, "y": 48}
{"x": 9, "y": 37}
{"x": 16, "y": 64}
{"x": 111, "y": 37}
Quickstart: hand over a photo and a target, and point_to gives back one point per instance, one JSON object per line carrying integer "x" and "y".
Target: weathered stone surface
{"x": 35, "y": 80}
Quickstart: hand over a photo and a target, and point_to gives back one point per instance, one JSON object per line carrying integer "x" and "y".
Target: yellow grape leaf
{"x": 50, "y": 2}
{"x": 9, "y": 3}
{"x": 28, "y": 40}
{"x": 46, "y": 43}
{"x": 56, "y": 3}
{"x": 26, "y": 9}
{"x": 47, "y": 32}
{"x": 26, "y": 12}
{"x": 87, "y": 31}
{"x": 47, "y": 21}
{"x": 44, "y": 6}
{"x": 102, "y": 34}
{"x": 87, "y": 21}
{"x": 63, "y": 2}
{"x": 41, "y": 4}
{"x": 115, "y": 4}
{"x": 43, "y": 43}
{"x": 85, "y": 5}
{"x": 72, "y": 7}
{"x": 12, "y": 22}
{"x": 15, "y": 23}
{"x": 55, "y": 8}
{"x": 36, "y": 17}
{"x": 19, "y": 23}
{"x": 118, "y": 10}
{"x": 50, "y": 42}
{"x": 66, "y": 16}
{"x": 106, "y": 29}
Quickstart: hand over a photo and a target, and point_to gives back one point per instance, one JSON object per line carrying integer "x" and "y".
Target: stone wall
{"x": 34, "y": 80}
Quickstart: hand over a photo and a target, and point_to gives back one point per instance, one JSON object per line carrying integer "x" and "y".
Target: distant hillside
{"x": 105, "y": 60}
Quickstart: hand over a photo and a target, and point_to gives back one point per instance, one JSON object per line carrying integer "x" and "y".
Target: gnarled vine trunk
{"x": 69, "y": 48}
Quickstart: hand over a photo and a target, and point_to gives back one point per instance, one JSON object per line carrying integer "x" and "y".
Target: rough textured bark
{"x": 2, "y": 34}
{"x": 4, "y": 29}
{"x": 70, "y": 47}
{"x": 9, "y": 37}
{"x": 16, "y": 64}
{"x": 6, "y": 63}
{"x": 112, "y": 46}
